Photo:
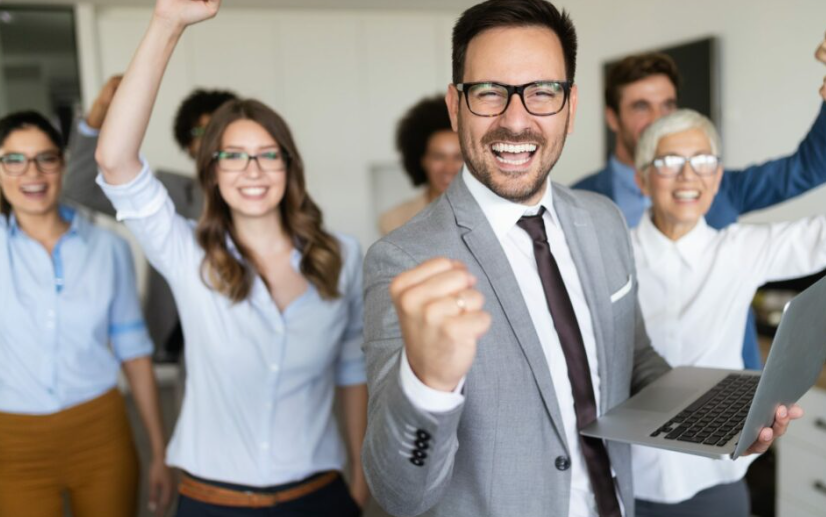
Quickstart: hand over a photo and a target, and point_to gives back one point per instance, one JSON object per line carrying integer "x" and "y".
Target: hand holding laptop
{"x": 768, "y": 435}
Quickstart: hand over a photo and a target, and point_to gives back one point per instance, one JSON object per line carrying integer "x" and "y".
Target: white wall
{"x": 342, "y": 78}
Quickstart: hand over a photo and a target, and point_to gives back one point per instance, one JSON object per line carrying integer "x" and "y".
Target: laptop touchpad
{"x": 662, "y": 399}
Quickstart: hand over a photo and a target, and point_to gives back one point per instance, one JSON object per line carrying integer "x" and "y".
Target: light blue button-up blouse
{"x": 260, "y": 384}
{"x": 67, "y": 320}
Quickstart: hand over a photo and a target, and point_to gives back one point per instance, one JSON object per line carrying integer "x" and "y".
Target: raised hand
{"x": 820, "y": 54}
{"x": 101, "y": 105}
{"x": 441, "y": 319}
{"x": 182, "y": 13}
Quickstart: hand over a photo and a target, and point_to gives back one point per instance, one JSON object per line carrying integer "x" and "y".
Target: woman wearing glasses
{"x": 70, "y": 319}
{"x": 695, "y": 284}
{"x": 270, "y": 302}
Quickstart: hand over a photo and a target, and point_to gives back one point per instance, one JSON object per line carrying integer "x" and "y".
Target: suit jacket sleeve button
{"x": 562, "y": 463}
{"x": 417, "y": 461}
{"x": 421, "y": 445}
{"x": 419, "y": 454}
{"x": 423, "y": 435}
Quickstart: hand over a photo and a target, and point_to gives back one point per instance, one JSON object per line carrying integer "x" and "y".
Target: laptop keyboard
{"x": 717, "y": 416}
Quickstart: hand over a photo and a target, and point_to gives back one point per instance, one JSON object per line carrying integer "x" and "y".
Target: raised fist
{"x": 183, "y": 13}
{"x": 441, "y": 319}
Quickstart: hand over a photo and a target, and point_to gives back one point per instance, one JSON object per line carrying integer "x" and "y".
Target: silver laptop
{"x": 719, "y": 413}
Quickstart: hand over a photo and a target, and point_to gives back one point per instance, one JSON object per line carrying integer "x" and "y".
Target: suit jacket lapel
{"x": 587, "y": 256}
{"x": 488, "y": 252}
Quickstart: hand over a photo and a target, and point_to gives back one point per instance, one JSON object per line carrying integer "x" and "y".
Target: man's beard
{"x": 512, "y": 191}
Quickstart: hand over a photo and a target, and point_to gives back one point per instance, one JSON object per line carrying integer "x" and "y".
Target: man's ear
{"x": 572, "y": 101}
{"x": 612, "y": 119}
{"x": 452, "y": 101}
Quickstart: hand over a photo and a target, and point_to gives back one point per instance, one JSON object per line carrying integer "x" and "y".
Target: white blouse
{"x": 694, "y": 294}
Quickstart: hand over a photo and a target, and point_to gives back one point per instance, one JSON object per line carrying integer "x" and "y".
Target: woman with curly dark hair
{"x": 431, "y": 156}
{"x": 270, "y": 302}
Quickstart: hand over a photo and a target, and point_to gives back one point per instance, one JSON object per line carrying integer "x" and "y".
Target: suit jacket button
{"x": 417, "y": 461}
{"x": 562, "y": 463}
{"x": 421, "y": 445}
{"x": 423, "y": 435}
{"x": 419, "y": 454}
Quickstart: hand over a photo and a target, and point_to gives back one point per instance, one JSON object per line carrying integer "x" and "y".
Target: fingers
{"x": 152, "y": 505}
{"x": 165, "y": 500}
{"x": 763, "y": 442}
{"x": 446, "y": 284}
{"x": 420, "y": 273}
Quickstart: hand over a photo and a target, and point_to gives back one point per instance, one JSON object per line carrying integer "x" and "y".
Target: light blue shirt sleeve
{"x": 127, "y": 331}
{"x": 350, "y": 366}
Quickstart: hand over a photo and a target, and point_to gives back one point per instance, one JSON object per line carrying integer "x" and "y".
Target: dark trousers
{"x": 331, "y": 500}
{"x": 731, "y": 500}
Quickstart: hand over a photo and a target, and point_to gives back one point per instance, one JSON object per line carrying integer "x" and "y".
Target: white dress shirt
{"x": 694, "y": 294}
{"x": 260, "y": 383}
{"x": 518, "y": 246}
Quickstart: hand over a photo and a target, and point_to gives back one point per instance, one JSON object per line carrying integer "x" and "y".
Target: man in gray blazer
{"x": 504, "y": 317}
{"x": 79, "y": 188}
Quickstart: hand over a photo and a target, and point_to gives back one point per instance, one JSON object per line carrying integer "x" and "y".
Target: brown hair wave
{"x": 221, "y": 269}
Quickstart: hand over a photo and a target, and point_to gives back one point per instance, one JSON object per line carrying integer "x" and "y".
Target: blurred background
{"x": 342, "y": 72}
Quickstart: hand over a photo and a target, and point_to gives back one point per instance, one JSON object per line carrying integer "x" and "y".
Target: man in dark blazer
{"x": 79, "y": 188}
{"x": 504, "y": 317}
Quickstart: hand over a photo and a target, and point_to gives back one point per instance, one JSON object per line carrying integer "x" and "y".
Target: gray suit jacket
{"x": 79, "y": 188}
{"x": 496, "y": 454}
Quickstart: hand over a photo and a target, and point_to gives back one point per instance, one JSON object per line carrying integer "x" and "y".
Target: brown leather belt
{"x": 211, "y": 494}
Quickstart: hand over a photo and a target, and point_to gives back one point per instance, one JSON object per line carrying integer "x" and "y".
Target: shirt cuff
{"x": 426, "y": 398}
{"x": 85, "y": 130}
{"x": 139, "y": 198}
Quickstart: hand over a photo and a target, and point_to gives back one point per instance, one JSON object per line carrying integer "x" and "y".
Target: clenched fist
{"x": 441, "y": 319}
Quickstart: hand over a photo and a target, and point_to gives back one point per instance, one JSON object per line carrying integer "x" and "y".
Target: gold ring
{"x": 461, "y": 303}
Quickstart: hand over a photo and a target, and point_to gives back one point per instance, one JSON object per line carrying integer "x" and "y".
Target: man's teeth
{"x": 253, "y": 191}
{"x": 33, "y": 189}
{"x": 513, "y": 162}
{"x": 687, "y": 194}
{"x": 511, "y": 148}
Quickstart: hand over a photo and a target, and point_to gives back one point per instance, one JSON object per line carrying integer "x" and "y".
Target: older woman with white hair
{"x": 695, "y": 284}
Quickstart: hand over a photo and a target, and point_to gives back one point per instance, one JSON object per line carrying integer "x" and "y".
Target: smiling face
{"x": 512, "y": 154}
{"x": 252, "y": 192}
{"x": 34, "y": 192}
{"x": 678, "y": 203}
{"x": 442, "y": 160}
{"x": 640, "y": 103}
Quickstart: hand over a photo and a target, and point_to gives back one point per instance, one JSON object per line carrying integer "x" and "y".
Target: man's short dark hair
{"x": 494, "y": 14}
{"x": 426, "y": 117}
{"x": 636, "y": 68}
{"x": 199, "y": 103}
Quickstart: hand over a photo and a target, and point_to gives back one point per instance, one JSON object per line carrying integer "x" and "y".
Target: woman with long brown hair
{"x": 270, "y": 302}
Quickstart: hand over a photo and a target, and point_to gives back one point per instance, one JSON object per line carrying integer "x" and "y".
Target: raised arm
{"x": 761, "y": 186}
{"x": 79, "y": 185}
{"x": 125, "y": 125}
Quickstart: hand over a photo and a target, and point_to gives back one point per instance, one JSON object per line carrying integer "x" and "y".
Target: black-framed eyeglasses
{"x": 671, "y": 165}
{"x": 238, "y": 161}
{"x": 540, "y": 98}
{"x": 47, "y": 162}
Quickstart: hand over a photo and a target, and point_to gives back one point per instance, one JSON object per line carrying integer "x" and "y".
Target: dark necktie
{"x": 562, "y": 312}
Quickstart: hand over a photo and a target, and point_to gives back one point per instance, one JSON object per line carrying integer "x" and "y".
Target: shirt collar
{"x": 624, "y": 176}
{"x": 501, "y": 213}
{"x": 77, "y": 224}
{"x": 690, "y": 248}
